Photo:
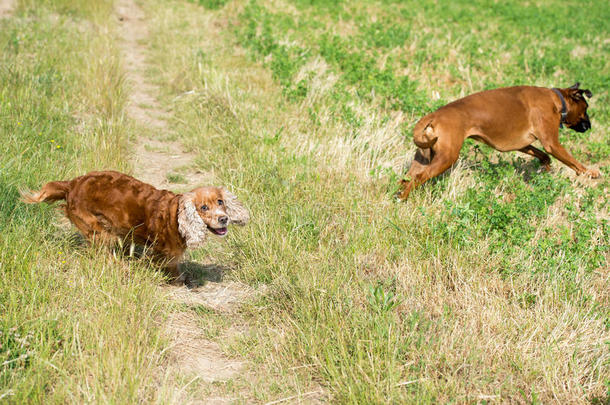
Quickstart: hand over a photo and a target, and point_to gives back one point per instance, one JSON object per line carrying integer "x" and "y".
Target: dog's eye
{"x": 204, "y": 207}
{"x": 220, "y": 202}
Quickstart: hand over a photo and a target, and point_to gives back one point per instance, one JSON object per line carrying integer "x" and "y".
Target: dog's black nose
{"x": 223, "y": 220}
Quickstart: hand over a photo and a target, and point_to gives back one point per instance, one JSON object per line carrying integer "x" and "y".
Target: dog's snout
{"x": 223, "y": 220}
{"x": 582, "y": 126}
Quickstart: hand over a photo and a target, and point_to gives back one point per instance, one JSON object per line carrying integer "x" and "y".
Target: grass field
{"x": 489, "y": 285}
{"x": 66, "y": 310}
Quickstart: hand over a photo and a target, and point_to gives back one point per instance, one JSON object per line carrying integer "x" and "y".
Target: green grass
{"x": 176, "y": 178}
{"x": 66, "y": 309}
{"x": 489, "y": 284}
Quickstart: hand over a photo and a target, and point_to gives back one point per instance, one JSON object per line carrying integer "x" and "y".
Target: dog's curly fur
{"x": 190, "y": 225}
{"x": 108, "y": 205}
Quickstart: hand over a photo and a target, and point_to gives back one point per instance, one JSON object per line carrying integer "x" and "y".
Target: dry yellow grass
{"x": 360, "y": 299}
{"x": 476, "y": 334}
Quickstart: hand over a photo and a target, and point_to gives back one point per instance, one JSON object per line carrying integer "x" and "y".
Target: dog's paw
{"x": 403, "y": 194}
{"x": 593, "y": 173}
{"x": 177, "y": 281}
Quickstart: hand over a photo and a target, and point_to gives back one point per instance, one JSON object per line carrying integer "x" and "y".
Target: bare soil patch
{"x": 155, "y": 159}
{"x": 163, "y": 163}
{"x": 193, "y": 354}
{"x": 6, "y": 8}
{"x": 222, "y": 297}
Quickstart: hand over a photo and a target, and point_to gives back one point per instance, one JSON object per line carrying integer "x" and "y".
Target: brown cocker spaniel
{"x": 108, "y": 205}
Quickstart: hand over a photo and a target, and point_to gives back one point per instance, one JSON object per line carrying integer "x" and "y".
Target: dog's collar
{"x": 564, "y": 110}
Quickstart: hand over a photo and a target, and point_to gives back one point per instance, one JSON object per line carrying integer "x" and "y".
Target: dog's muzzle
{"x": 218, "y": 231}
{"x": 582, "y": 126}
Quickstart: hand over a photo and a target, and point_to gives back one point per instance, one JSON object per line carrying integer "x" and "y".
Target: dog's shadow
{"x": 527, "y": 169}
{"x": 197, "y": 274}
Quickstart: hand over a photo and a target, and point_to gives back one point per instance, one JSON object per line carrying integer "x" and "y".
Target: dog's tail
{"x": 423, "y": 133}
{"x": 53, "y": 191}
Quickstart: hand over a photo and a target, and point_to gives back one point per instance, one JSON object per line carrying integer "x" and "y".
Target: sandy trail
{"x": 190, "y": 354}
{"x": 6, "y": 8}
{"x": 155, "y": 156}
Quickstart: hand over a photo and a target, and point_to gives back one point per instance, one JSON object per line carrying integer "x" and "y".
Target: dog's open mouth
{"x": 218, "y": 231}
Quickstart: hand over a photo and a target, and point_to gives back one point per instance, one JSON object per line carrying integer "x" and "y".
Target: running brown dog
{"x": 109, "y": 205}
{"x": 506, "y": 119}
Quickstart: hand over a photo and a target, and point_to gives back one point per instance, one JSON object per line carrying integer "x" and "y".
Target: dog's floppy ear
{"x": 575, "y": 86}
{"x": 238, "y": 214}
{"x": 578, "y": 94}
{"x": 190, "y": 225}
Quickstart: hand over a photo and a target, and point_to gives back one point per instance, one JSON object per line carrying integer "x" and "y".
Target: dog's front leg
{"x": 544, "y": 159}
{"x": 173, "y": 269}
{"x": 554, "y": 148}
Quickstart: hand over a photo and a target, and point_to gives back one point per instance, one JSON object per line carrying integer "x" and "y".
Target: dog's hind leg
{"x": 91, "y": 227}
{"x": 420, "y": 160}
{"x": 545, "y": 160}
{"x": 420, "y": 173}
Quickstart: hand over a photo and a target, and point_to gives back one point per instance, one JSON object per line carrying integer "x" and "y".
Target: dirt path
{"x": 155, "y": 157}
{"x": 6, "y": 8}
